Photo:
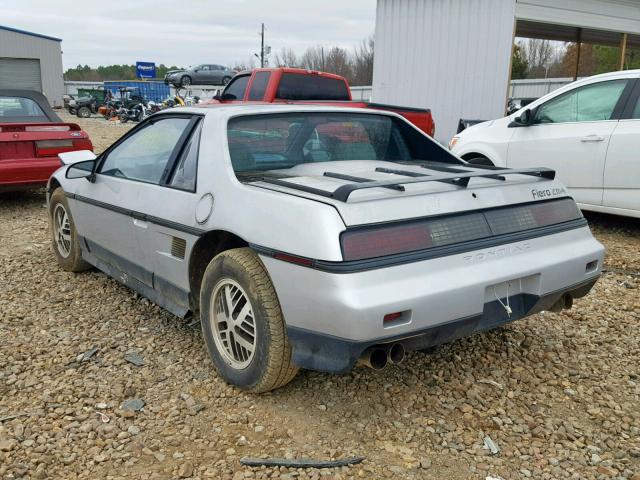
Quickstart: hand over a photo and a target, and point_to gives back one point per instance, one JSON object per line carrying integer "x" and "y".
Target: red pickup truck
{"x": 295, "y": 85}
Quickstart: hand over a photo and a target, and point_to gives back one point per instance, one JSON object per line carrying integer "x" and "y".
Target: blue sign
{"x": 145, "y": 70}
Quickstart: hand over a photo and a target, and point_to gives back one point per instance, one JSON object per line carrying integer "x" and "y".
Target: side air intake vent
{"x": 178, "y": 247}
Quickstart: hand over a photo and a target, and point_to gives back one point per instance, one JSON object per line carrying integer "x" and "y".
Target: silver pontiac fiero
{"x": 318, "y": 237}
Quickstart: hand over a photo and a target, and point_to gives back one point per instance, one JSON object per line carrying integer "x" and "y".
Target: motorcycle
{"x": 135, "y": 112}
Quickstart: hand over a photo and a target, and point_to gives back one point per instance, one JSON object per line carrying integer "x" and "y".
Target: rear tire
{"x": 242, "y": 323}
{"x": 226, "y": 80}
{"x": 65, "y": 243}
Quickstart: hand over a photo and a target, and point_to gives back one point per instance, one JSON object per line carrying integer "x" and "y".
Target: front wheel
{"x": 66, "y": 246}
{"x": 185, "y": 81}
{"x": 84, "y": 112}
{"x": 242, "y": 323}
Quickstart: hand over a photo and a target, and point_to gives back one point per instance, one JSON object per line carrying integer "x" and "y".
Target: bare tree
{"x": 539, "y": 55}
{"x": 287, "y": 58}
{"x": 314, "y": 58}
{"x": 362, "y": 63}
{"x": 338, "y": 61}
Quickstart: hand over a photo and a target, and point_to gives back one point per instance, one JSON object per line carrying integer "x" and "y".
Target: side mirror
{"x": 217, "y": 94}
{"x": 81, "y": 170}
{"x": 523, "y": 120}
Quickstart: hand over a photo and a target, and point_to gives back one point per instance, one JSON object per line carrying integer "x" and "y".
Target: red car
{"x": 31, "y": 137}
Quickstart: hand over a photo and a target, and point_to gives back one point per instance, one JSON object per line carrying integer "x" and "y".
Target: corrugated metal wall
{"x": 448, "y": 55}
{"x": 48, "y": 52}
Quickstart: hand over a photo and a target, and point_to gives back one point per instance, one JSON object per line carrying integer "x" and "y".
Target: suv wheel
{"x": 185, "y": 81}
{"x": 63, "y": 234}
{"x": 242, "y": 323}
{"x": 83, "y": 112}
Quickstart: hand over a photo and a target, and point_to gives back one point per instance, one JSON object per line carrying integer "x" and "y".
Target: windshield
{"x": 19, "y": 107}
{"x": 280, "y": 141}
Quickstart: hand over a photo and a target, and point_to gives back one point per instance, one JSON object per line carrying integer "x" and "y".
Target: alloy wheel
{"x": 232, "y": 324}
{"x": 62, "y": 230}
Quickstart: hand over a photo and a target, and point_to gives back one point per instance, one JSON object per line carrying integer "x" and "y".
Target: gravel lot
{"x": 557, "y": 393}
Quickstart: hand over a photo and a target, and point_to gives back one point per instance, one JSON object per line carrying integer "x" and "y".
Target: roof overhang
{"x": 569, "y": 33}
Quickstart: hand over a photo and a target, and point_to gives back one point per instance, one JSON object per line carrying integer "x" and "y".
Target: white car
{"x": 587, "y": 131}
{"x": 317, "y": 237}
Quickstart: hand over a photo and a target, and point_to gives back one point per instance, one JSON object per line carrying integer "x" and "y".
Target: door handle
{"x": 592, "y": 138}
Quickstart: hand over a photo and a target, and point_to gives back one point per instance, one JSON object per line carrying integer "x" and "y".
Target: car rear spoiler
{"x": 459, "y": 177}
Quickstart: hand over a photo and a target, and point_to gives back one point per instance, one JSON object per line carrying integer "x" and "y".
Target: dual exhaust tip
{"x": 379, "y": 356}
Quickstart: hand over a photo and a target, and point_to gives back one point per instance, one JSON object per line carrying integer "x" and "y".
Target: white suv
{"x": 587, "y": 131}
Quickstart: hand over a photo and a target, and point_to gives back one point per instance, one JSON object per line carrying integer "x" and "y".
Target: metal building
{"x": 454, "y": 56}
{"x": 31, "y": 61}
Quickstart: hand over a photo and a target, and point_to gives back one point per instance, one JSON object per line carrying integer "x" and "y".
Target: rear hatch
{"x": 19, "y": 141}
{"x": 414, "y": 190}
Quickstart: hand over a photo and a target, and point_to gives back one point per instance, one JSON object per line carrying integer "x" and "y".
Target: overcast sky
{"x": 188, "y": 32}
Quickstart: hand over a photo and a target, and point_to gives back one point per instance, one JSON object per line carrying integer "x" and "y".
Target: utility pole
{"x": 262, "y": 47}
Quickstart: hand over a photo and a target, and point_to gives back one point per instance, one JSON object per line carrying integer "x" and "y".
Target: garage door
{"x": 21, "y": 73}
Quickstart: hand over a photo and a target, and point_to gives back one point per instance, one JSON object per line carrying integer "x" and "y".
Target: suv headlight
{"x": 453, "y": 141}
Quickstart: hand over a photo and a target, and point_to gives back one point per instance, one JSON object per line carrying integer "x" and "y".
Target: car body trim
{"x": 354, "y": 266}
{"x": 155, "y": 288}
{"x": 138, "y": 215}
{"x": 328, "y": 353}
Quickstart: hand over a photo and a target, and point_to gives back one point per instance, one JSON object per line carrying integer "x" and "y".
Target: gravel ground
{"x": 558, "y": 394}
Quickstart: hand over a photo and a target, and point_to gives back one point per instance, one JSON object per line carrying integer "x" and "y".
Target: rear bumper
{"x": 26, "y": 172}
{"x": 331, "y": 318}
{"x": 315, "y": 351}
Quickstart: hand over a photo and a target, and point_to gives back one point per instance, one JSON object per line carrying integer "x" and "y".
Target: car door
{"x": 216, "y": 74}
{"x": 622, "y": 168}
{"x": 570, "y": 133}
{"x": 108, "y": 210}
{"x": 204, "y": 75}
{"x": 172, "y": 218}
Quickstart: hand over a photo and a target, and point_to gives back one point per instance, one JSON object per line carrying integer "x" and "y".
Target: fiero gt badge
{"x": 547, "y": 192}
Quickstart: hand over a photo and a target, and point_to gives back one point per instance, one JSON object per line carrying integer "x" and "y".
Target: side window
{"x": 204, "y": 67}
{"x": 259, "y": 86}
{"x": 236, "y": 88}
{"x": 636, "y": 111}
{"x": 184, "y": 176}
{"x": 144, "y": 155}
{"x": 590, "y": 103}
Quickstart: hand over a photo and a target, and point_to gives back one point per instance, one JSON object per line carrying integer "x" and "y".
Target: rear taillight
{"x": 51, "y": 148}
{"x": 82, "y": 144}
{"x": 534, "y": 215}
{"x": 375, "y": 242}
{"x": 378, "y": 242}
